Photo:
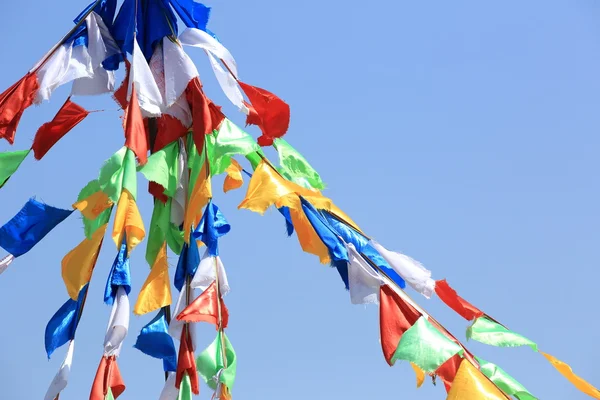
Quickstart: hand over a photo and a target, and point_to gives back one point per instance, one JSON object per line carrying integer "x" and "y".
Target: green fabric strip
{"x": 489, "y": 332}
{"x": 229, "y": 141}
{"x": 195, "y": 162}
{"x": 90, "y": 226}
{"x": 109, "y": 395}
{"x": 161, "y": 229}
{"x": 295, "y": 168}
{"x": 425, "y": 346}
{"x": 504, "y": 381}
{"x": 9, "y": 163}
{"x": 118, "y": 173}
{"x": 185, "y": 389}
{"x": 210, "y": 362}
{"x": 162, "y": 168}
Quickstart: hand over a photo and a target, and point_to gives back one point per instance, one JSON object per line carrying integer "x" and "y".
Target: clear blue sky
{"x": 462, "y": 133}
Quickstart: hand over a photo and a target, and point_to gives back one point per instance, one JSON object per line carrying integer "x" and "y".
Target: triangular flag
{"x": 118, "y": 173}
{"x": 135, "y": 132}
{"x": 200, "y": 196}
{"x": 141, "y": 78}
{"x": 69, "y": 115}
{"x": 9, "y": 163}
{"x": 206, "y": 308}
{"x": 63, "y": 324}
{"x": 447, "y": 371}
{"x": 295, "y": 167}
{"x": 186, "y": 364}
{"x": 207, "y": 117}
{"x": 566, "y": 371}
{"x": 128, "y": 222}
{"x": 455, "y": 302}
{"x": 156, "y": 291}
{"x": 471, "y": 384}
{"x": 213, "y": 226}
{"x": 108, "y": 377}
{"x": 154, "y": 340}
{"x": 229, "y": 141}
{"x": 211, "y": 365}
{"x": 504, "y": 381}
{"x": 206, "y": 274}
{"x": 486, "y": 331}
{"x": 179, "y": 70}
{"x": 13, "y": 102}
{"x": 59, "y": 383}
{"x": 234, "y": 179}
{"x": 176, "y": 327}
{"x": 364, "y": 281}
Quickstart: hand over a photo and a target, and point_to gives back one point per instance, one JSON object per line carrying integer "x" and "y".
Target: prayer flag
{"x": 208, "y": 307}
{"x": 455, "y": 302}
{"x": 489, "y": 332}
{"x": 9, "y": 163}
{"x": 471, "y": 384}
{"x": 156, "y": 291}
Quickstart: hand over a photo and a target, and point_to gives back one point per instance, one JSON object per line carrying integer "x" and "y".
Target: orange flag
{"x": 128, "y": 221}
{"x": 108, "y": 377}
{"x": 135, "y": 132}
{"x": 395, "y": 317}
{"x": 186, "y": 363}
{"x": 471, "y": 384}
{"x": 206, "y": 308}
{"x": 234, "y": 179}
{"x": 568, "y": 373}
{"x": 156, "y": 292}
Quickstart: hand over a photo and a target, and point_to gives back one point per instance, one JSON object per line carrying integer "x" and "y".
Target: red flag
{"x": 206, "y": 309}
{"x": 448, "y": 371}
{"x": 206, "y": 116}
{"x": 169, "y": 129}
{"x": 455, "y": 302}
{"x": 13, "y": 101}
{"x": 268, "y": 111}
{"x": 108, "y": 376}
{"x": 186, "y": 363}
{"x": 395, "y": 317}
{"x": 69, "y": 115}
{"x": 120, "y": 95}
{"x": 135, "y": 132}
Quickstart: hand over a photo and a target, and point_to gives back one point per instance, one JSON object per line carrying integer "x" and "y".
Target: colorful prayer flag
{"x": 455, "y": 302}
{"x": 208, "y": 307}
{"x": 9, "y": 163}
{"x": 489, "y": 332}
{"x": 295, "y": 167}
{"x": 211, "y": 365}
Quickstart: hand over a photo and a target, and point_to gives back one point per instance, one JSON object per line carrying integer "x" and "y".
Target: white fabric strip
{"x": 364, "y": 282}
{"x": 181, "y": 194}
{"x": 118, "y": 324}
{"x": 59, "y": 383}
{"x": 205, "y": 274}
{"x": 149, "y": 95}
{"x": 176, "y": 327}
{"x": 179, "y": 71}
{"x": 410, "y": 270}
{"x": 170, "y": 392}
{"x": 5, "y": 262}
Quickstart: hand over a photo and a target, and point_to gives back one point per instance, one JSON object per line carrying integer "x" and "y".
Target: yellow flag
{"x": 156, "y": 292}
{"x": 201, "y": 194}
{"x": 308, "y": 238}
{"x": 128, "y": 220}
{"x": 78, "y": 264}
{"x": 568, "y": 373}
{"x": 92, "y": 206}
{"x": 419, "y": 373}
{"x": 234, "y": 179}
{"x": 267, "y": 188}
{"x": 471, "y": 384}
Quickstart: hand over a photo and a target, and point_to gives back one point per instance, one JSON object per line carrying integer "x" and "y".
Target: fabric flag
{"x": 289, "y": 224}
{"x": 31, "y": 224}
{"x": 425, "y": 346}
{"x": 13, "y": 102}
{"x": 179, "y": 70}
{"x": 9, "y": 163}
{"x": 410, "y": 270}
{"x": 420, "y": 374}
{"x": 59, "y": 383}
{"x": 207, "y": 117}
{"x": 156, "y": 291}
{"x": 363, "y": 281}
{"x": 161, "y": 230}
{"x": 448, "y": 370}
{"x": 308, "y": 238}
{"x": 108, "y": 378}
{"x": 185, "y": 392}
{"x": 176, "y": 327}
{"x": 213, "y": 368}
{"x": 5, "y": 262}
{"x": 489, "y": 332}
{"x": 78, "y": 264}
{"x": 170, "y": 392}
{"x": 471, "y": 384}
{"x": 162, "y": 168}
{"x": 118, "y": 173}
{"x": 186, "y": 364}
{"x": 208, "y": 307}
{"x": 154, "y": 340}
{"x": 181, "y": 188}
{"x": 216, "y": 51}
{"x": 136, "y": 138}
{"x": 295, "y": 167}
{"x": 95, "y": 207}
{"x": 147, "y": 91}
{"x": 199, "y": 198}
{"x": 269, "y": 112}
{"x": 507, "y": 383}
{"x": 63, "y": 324}
{"x": 119, "y": 276}
{"x": 455, "y": 302}
{"x": 118, "y": 324}
{"x": 234, "y": 179}
{"x": 192, "y": 13}
{"x": 128, "y": 223}
{"x": 229, "y": 141}
{"x": 395, "y": 317}
{"x": 206, "y": 274}
{"x": 189, "y": 259}
{"x": 566, "y": 371}
{"x": 213, "y": 226}
{"x": 68, "y": 117}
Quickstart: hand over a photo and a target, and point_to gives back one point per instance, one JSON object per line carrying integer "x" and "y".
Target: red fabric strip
{"x": 455, "y": 302}
{"x": 205, "y": 309}
{"x": 135, "y": 132}
{"x": 107, "y": 377}
{"x": 13, "y": 101}
{"x": 186, "y": 363}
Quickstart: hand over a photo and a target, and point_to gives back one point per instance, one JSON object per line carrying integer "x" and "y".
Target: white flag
{"x": 59, "y": 383}
{"x": 118, "y": 324}
{"x": 364, "y": 281}
{"x": 5, "y": 262}
{"x": 181, "y": 193}
{"x": 148, "y": 93}
{"x": 410, "y": 270}
{"x": 206, "y": 274}
{"x": 179, "y": 70}
{"x": 176, "y": 327}
{"x": 170, "y": 392}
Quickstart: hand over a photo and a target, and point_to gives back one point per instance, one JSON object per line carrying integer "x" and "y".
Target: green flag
{"x": 9, "y": 163}
{"x": 161, "y": 229}
{"x": 91, "y": 225}
{"x": 118, "y": 173}
{"x": 489, "y": 332}
{"x": 295, "y": 167}
{"x": 185, "y": 389}
{"x": 162, "y": 168}
{"x": 230, "y": 140}
{"x": 504, "y": 381}
{"x": 425, "y": 346}
{"x": 195, "y": 162}
{"x": 210, "y": 362}
{"x": 254, "y": 158}
{"x": 109, "y": 395}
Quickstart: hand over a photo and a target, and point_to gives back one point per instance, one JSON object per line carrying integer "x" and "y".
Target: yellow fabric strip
{"x": 308, "y": 238}
{"x": 128, "y": 220}
{"x": 202, "y": 193}
{"x": 419, "y": 373}
{"x": 566, "y": 371}
{"x": 156, "y": 292}
{"x": 471, "y": 384}
{"x": 92, "y": 206}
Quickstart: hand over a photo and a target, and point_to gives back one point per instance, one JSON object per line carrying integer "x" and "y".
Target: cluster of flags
{"x": 178, "y": 139}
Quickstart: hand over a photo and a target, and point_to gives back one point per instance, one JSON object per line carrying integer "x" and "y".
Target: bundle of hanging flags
{"x": 190, "y": 140}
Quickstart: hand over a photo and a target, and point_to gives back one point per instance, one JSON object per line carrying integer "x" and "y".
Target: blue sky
{"x": 462, "y": 133}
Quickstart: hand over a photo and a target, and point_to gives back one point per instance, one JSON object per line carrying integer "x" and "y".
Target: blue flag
{"x": 193, "y": 15}
{"x": 120, "y": 275}
{"x": 29, "y": 226}
{"x": 188, "y": 263}
{"x": 289, "y": 225}
{"x": 213, "y": 225}
{"x": 155, "y": 341}
{"x": 61, "y": 327}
